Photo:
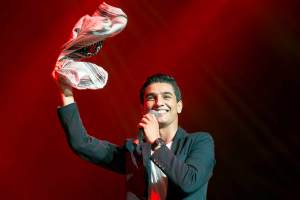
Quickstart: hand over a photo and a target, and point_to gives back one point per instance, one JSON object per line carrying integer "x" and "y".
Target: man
{"x": 164, "y": 162}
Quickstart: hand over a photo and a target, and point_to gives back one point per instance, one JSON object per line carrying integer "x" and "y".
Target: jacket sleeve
{"x": 97, "y": 151}
{"x": 193, "y": 172}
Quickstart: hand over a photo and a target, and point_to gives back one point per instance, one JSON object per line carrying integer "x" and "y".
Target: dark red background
{"x": 238, "y": 66}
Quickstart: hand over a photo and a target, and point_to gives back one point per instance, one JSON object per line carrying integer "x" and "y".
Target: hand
{"x": 65, "y": 88}
{"x": 150, "y": 126}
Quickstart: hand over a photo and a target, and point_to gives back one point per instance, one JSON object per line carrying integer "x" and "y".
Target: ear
{"x": 179, "y": 106}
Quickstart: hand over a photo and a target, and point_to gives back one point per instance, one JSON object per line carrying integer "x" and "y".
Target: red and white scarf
{"x": 86, "y": 40}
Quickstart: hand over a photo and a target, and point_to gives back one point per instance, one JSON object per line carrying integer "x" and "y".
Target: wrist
{"x": 66, "y": 100}
{"x": 157, "y": 144}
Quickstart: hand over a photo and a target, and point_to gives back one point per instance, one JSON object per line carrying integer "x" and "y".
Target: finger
{"x": 146, "y": 118}
{"x": 142, "y": 125}
{"x": 150, "y": 117}
{"x": 153, "y": 117}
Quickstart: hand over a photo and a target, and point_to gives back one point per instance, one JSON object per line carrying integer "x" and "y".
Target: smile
{"x": 162, "y": 111}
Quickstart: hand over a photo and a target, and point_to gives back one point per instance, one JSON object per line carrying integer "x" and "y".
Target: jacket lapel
{"x": 177, "y": 141}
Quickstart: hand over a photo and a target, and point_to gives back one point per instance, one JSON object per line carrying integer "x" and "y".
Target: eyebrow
{"x": 153, "y": 94}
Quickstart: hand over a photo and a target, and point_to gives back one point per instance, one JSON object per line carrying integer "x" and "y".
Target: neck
{"x": 168, "y": 133}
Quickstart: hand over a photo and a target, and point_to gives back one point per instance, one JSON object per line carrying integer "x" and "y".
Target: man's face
{"x": 161, "y": 98}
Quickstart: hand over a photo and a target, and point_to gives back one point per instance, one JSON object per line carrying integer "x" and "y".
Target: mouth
{"x": 162, "y": 111}
{"x": 159, "y": 112}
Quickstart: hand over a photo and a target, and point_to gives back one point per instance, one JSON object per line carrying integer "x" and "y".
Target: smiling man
{"x": 165, "y": 162}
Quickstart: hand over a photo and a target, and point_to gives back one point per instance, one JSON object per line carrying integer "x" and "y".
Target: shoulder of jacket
{"x": 200, "y": 135}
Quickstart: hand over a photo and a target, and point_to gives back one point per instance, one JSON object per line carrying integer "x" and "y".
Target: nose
{"x": 159, "y": 101}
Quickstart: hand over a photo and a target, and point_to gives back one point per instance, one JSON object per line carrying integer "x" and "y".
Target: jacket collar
{"x": 180, "y": 134}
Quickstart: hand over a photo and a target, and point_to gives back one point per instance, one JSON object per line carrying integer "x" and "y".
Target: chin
{"x": 162, "y": 123}
{"x": 161, "y": 120}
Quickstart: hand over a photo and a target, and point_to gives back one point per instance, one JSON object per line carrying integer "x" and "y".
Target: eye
{"x": 150, "y": 98}
{"x": 167, "y": 96}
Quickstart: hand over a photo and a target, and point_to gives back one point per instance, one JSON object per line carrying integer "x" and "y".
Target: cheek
{"x": 172, "y": 104}
{"x": 148, "y": 105}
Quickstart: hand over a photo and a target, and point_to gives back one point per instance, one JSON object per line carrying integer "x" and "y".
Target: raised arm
{"x": 97, "y": 151}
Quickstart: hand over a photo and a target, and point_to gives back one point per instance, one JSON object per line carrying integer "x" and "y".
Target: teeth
{"x": 161, "y": 111}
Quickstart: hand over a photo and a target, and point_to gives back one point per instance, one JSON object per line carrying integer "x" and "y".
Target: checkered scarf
{"x": 86, "y": 40}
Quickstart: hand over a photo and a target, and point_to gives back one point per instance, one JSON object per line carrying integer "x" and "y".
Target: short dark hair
{"x": 160, "y": 78}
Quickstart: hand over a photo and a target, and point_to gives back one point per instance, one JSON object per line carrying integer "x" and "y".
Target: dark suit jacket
{"x": 188, "y": 164}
